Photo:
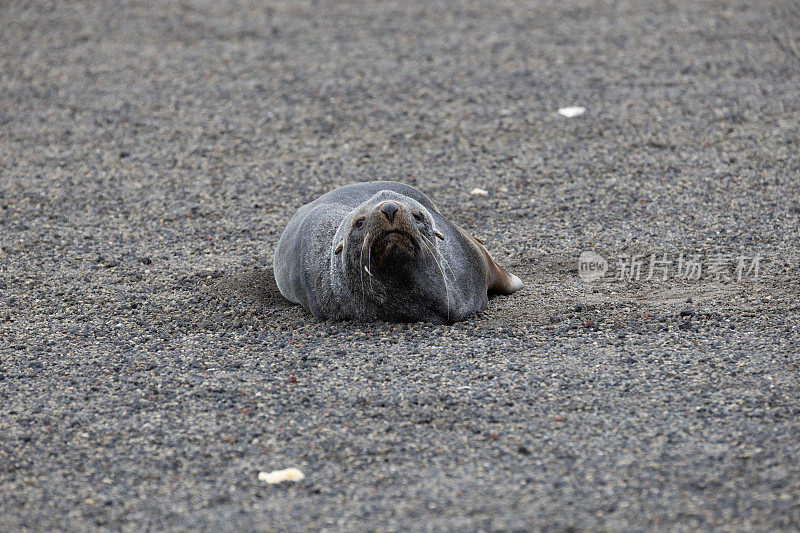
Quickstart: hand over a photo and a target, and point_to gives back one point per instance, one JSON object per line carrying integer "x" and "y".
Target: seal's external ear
{"x": 438, "y": 234}
{"x": 339, "y": 247}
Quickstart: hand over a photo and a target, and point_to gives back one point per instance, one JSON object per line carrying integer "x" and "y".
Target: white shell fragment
{"x": 279, "y": 476}
{"x": 570, "y": 112}
{"x": 478, "y": 192}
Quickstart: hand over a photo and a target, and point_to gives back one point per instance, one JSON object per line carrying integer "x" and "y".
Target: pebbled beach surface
{"x": 151, "y": 154}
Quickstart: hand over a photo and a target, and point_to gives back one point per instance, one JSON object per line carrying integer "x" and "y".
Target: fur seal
{"x": 382, "y": 251}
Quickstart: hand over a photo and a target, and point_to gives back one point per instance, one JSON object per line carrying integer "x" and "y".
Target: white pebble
{"x": 478, "y": 192}
{"x": 570, "y": 112}
{"x": 278, "y": 476}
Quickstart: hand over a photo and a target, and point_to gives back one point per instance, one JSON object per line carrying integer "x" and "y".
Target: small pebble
{"x": 571, "y": 112}
{"x": 279, "y": 476}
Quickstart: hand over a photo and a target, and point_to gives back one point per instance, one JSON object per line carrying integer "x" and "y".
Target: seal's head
{"x": 386, "y": 236}
{"x": 387, "y": 246}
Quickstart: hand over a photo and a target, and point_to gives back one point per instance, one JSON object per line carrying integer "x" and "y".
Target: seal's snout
{"x": 389, "y": 209}
{"x": 392, "y": 237}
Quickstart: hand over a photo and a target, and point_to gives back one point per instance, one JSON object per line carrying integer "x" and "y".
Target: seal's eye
{"x": 359, "y": 223}
{"x": 418, "y": 217}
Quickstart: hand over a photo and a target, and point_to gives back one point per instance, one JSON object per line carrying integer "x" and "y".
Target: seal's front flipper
{"x": 499, "y": 281}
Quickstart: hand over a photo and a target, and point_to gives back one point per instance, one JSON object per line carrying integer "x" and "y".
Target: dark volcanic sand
{"x": 149, "y": 369}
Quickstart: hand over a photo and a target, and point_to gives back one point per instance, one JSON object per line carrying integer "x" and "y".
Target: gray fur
{"x": 446, "y": 281}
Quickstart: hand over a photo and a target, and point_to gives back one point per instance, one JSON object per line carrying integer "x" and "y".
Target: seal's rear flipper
{"x": 500, "y": 281}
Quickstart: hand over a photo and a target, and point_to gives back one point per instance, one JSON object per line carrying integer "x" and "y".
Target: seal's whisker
{"x": 432, "y": 249}
{"x": 369, "y": 262}
{"x": 438, "y": 254}
{"x": 439, "y": 262}
{"x": 361, "y": 261}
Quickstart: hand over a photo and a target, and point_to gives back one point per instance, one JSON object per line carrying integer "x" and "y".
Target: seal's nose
{"x": 389, "y": 209}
